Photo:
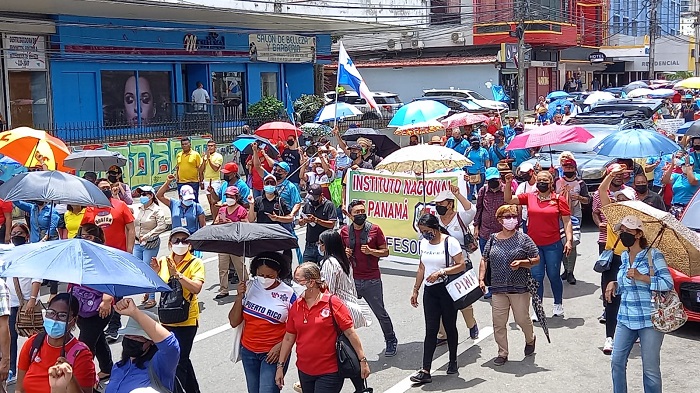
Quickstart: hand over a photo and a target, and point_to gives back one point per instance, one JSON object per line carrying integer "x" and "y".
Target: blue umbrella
{"x": 9, "y": 168}
{"x": 83, "y": 262}
{"x": 552, "y": 106}
{"x": 635, "y": 143}
{"x": 337, "y": 111}
{"x": 243, "y": 144}
{"x": 417, "y": 112}
{"x": 555, "y": 95}
{"x": 685, "y": 127}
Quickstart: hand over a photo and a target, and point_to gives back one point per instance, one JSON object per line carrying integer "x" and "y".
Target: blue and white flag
{"x": 350, "y": 76}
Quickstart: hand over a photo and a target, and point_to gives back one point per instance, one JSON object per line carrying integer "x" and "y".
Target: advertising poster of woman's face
{"x": 130, "y": 99}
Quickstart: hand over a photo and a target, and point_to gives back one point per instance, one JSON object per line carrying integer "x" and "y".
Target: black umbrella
{"x": 694, "y": 130}
{"x": 384, "y": 145}
{"x": 243, "y": 238}
{"x": 94, "y": 160}
{"x": 537, "y": 306}
{"x": 53, "y": 187}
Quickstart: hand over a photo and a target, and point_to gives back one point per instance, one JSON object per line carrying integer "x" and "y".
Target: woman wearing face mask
{"x": 684, "y": 184}
{"x": 261, "y": 340}
{"x": 72, "y": 219}
{"x": 545, "y": 209}
{"x": 187, "y": 269}
{"x": 43, "y": 220}
{"x": 312, "y": 325}
{"x": 643, "y": 270}
{"x": 480, "y": 158}
{"x": 122, "y": 190}
{"x": 573, "y": 188}
{"x": 233, "y": 212}
{"x": 33, "y": 365}
{"x": 320, "y": 174}
{"x": 437, "y": 303}
{"x": 146, "y": 346}
{"x": 149, "y": 223}
{"x": 510, "y": 254}
{"x": 185, "y": 212}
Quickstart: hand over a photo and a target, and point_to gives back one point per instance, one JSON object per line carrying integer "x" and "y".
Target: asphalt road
{"x": 573, "y": 362}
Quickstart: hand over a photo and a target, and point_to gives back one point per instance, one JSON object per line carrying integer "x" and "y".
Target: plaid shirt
{"x": 636, "y": 305}
{"x": 4, "y": 299}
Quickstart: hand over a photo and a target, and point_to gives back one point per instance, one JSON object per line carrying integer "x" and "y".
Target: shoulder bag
{"x": 470, "y": 245}
{"x": 348, "y": 361}
{"x": 668, "y": 313}
{"x": 28, "y": 325}
{"x": 173, "y": 307}
{"x": 463, "y": 287}
{"x": 605, "y": 259}
{"x": 487, "y": 275}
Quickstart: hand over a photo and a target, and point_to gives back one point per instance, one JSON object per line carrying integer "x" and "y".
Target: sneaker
{"x": 441, "y": 342}
{"x": 558, "y": 311}
{"x": 499, "y": 361}
{"x": 297, "y": 387}
{"x": 534, "y": 317}
{"x": 111, "y": 337}
{"x": 564, "y": 275}
{"x": 488, "y": 295}
{"x": 390, "y": 350}
{"x": 571, "y": 279}
{"x": 601, "y": 318}
{"x": 220, "y": 296}
{"x": 452, "y": 368}
{"x": 11, "y": 378}
{"x": 474, "y": 332}
{"x": 421, "y": 377}
{"x": 530, "y": 348}
{"x": 608, "y": 346}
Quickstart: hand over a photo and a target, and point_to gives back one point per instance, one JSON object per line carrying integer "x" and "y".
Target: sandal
{"x": 150, "y": 303}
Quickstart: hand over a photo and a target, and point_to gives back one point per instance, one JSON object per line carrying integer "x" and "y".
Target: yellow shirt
{"x": 195, "y": 272}
{"x": 210, "y": 174}
{"x": 188, "y": 167}
{"x": 73, "y": 221}
{"x": 612, "y": 238}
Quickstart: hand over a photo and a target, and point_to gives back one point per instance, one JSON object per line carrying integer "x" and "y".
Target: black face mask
{"x": 696, "y": 147}
{"x": 316, "y": 202}
{"x": 457, "y": 138}
{"x": 476, "y": 145}
{"x": 413, "y": 143}
{"x": 359, "y": 219}
{"x": 353, "y": 156}
{"x": 441, "y": 210}
{"x": 18, "y": 240}
{"x": 627, "y": 239}
{"x": 494, "y": 184}
{"x": 112, "y": 178}
{"x": 498, "y": 140}
{"x": 278, "y": 176}
{"x": 108, "y": 193}
{"x": 542, "y": 186}
{"x": 526, "y": 176}
{"x": 570, "y": 174}
{"x": 641, "y": 188}
{"x": 132, "y": 348}
{"x": 290, "y": 142}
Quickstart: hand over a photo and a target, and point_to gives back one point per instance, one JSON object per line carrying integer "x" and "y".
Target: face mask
{"x": 315, "y": 202}
{"x": 542, "y": 186}
{"x": 457, "y": 138}
{"x": 627, "y": 239}
{"x": 519, "y": 131}
{"x": 359, "y": 219}
{"x": 679, "y": 162}
{"x": 180, "y": 249}
{"x": 696, "y": 147}
{"x": 230, "y": 201}
{"x": 188, "y": 202}
{"x": 413, "y": 143}
{"x": 266, "y": 282}
{"x": 269, "y": 189}
{"x": 112, "y": 179}
{"x": 108, "y": 193}
{"x": 144, "y": 200}
{"x": 320, "y": 171}
{"x": 278, "y": 176}
{"x": 498, "y": 140}
{"x": 298, "y": 289}
{"x": 641, "y": 188}
{"x": 18, "y": 240}
{"x": 441, "y": 210}
{"x": 132, "y": 348}
{"x": 307, "y": 143}
{"x": 55, "y": 329}
{"x": 320, "y": 252}
{"x": 510, "y": 223}
{"x": 476, "y": 145}
{"x": 494, "y": 184}
{"x": 428, "y": 236}
{"x": 526, "y": 176}
{"x": 290, "y": 142}
{"x": 353, "y": 156}
{"x": 569, "y": 174}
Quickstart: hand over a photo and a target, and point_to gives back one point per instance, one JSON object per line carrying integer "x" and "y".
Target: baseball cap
{"x": 231, "y": 190}
{"x": 492, "y": 173}
{"x": 283, "y": 165}
{"x": 627, "y": 192}
{"x": 230, "y": 167}
{"x": 435, "y": 140}
{"x": 519, "y": 125}
{"x": 688, "y": 96}
{"x": 133, "y": 328}
{"x": 144, "y": 189}
{"x": 187, "y": 193}
{"x": 568, "y": 161}
{"x": 314, "y": 189}
{"x": 269, "y": 176}
{"x": 444, "y": 195}
{"x": 90, "y": 176}
{"x": 526, "y": 167}
{"x": 615, "y": 165}
{"x": 500, "y": 133}
{"x": 177, "y": 230}
{"x": 630, "y": 222}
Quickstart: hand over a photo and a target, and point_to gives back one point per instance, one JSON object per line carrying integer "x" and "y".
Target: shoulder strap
{"x": 465, "y": 229}
{"x": 187, "y": 265}
{"x": 18, "y": 290}
{"x": 330, "y": 305}
{"x": 650, "y": 261}
{"x": 36, "y": 345}
{"x": 364, "y": 235}
{"x": 489, "y": 244}
{"x": 78, "y": 347}
{"x": 447, "y": 253}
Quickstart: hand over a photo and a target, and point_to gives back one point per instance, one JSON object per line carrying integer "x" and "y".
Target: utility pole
{"x": 653, "y": 27}
{"x": 520, "y": 33}
{"x": 696, "y": 25}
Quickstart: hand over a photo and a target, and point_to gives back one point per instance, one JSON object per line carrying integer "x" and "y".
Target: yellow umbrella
{"x": 32, "y": 147}
{"x": 425, "y": 127}
{"x": 690, "y": 83}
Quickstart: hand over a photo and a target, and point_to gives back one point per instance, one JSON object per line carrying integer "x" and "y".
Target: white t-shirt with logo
{"x": 271, "y": 305}
{"x": 433, "y": 256}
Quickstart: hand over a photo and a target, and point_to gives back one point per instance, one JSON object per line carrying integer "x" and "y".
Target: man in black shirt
{"x": 320, "y": 214}
{"x": 292, "y": 156}
{"x": 269, "y": 208}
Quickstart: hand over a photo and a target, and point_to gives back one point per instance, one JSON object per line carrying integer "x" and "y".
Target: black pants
{"x": 185, "y": 370}
{"x": 437, "y": 304}
{"x": 115, "y": 321}
{"x": 613, "y": 307}
{"x": 326, "y": 383}
{"x": 93, "y": 335}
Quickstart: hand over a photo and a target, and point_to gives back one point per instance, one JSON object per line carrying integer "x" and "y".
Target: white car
{"x": 470, "y": 94}
{"x": 388, "y": 103}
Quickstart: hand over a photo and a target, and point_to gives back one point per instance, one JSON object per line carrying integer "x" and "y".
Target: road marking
{"x": 406, "y": 383}
{"x": 212, "y": 332}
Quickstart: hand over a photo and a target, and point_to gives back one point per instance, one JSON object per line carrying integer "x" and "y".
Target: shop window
{"x": 228, "y": 89}
{"x": 28, "y": 104}
{"x": 268, "y": 84}
{"x": 135, "y": 98}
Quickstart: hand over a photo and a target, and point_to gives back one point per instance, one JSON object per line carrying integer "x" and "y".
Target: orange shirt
{"x": 36, "y": 379}
{"x": 112, "y": 220}
{"x": 265, "y": 313}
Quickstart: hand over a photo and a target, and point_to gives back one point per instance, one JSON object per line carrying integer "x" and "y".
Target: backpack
{"x": 89, "y": 300}
{"x": 71, "y": 355}
{"x": 173, "y": 307}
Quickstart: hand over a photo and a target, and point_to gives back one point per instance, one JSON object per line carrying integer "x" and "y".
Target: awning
{"x": 422, "y": 62}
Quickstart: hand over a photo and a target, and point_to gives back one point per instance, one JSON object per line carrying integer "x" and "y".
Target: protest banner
{"x": 395, "y": 203}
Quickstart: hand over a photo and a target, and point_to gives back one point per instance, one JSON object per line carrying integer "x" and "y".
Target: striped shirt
{"x": 636, "y": 304}
{"x": 4, "y": 299}
{"x": 343, "y": 286}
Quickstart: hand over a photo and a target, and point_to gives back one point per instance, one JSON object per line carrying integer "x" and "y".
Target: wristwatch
{"x": 177, "y": 276}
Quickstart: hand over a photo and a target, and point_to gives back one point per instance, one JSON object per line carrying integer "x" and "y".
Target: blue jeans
{"x": 474, "y": 188}
{"x": 13, "y": 338}
{"x": 550, "y": 262}
{"x": 650, "y": 342}
{"x": 145, "y": 256}
{"x": 259, "y": 374}
{"x": 311, "y": 253}
{"x": 482, "y": 244}
{"x": 325, "y": 383}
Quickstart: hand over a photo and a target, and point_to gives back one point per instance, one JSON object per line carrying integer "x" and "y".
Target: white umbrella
{"x": 330, "y": 112}
{"x": 640, "y": 92}
{"x": 598, "y": 96}
{"x": 423, "y": 159}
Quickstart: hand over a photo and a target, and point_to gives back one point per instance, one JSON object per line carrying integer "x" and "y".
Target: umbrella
{"x": 28, "y": 146}
{"x": 679, "y": 244}
{"x": 662, "y": 93}
{"x": 9, "y": 168}
{"x": 552, "y": 106}
{"x": 243, "y": 238}
{"x": 420, "y": 128}
{"x": 423, "y": 159}
{"x": 694, "y": 129}
{"x": 598, "y": 96}
{"x": 686, "y": 127}
{"x": 532, "y": 286}
{"x": 53, "y": 187}
{"x": 83, "y": 262}
{"x": 552, "y": 134}
{"x": 690, "y": 83}
{"x": 464, "y": 119}
{"x": 417, "y": 112}
{"x": 555, "y": 95}
{"x": 634, "y": 85}
{"x": 640, "y": 92}
{"x": 315, "y": 129}
{"x": 94, "y": 160}
{"x": 691, "y": 214}
{"x": 277, "y": 131}
{"x": 635, "y": 143}
{"x": 383, "y": 144}
{"x": 336, "y": 111}
{"x": 243, "y": 144}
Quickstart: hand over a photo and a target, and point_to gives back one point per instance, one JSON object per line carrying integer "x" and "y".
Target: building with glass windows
{"x": 631, "y": 17}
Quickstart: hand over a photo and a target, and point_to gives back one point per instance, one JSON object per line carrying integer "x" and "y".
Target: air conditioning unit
{"x": 417, "y": 44}
{"x": 407, "y": 34}
{"x": 391, "y": 44}
{"x": 457, "y": 37}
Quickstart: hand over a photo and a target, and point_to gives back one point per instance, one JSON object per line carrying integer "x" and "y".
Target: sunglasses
{"x": 270, "y": 183}
{"x": 145, "y": 194}
{"x": 18, "y": 234}
{"x": 180, "y": 241}
{"x": 508, "y": 217}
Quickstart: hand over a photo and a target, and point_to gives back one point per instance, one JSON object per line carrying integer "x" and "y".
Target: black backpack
{"x": 173, "y": 307}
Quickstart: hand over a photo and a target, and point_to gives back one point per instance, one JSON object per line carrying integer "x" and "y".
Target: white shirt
{"x": 271, "y": 305}
{"x": 200, "y": 96}
{"x": 315, "y": 178}
{"x": 525, "y": 188}
{"x": 432, "y": 256}
{"x": 456, "y": 230}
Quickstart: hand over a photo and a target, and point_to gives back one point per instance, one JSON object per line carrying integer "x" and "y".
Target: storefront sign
{"x": 282, "y": 48}
{"x": 545, "y": 64}
{"x": 24, "y": 52}
{"x": 212, "y": 41}
{"x": 395, "y": 203}
{"x": 596, "y": 57}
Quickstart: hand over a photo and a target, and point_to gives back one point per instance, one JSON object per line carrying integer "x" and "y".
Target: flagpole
{"x": 337, "y": 84}
{"x": 291, "y": 116}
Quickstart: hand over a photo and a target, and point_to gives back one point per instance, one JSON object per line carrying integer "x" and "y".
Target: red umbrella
{"x": 552, "y": 134}
{"x": 464, "y": 119}
{"x": 277, "y": 131}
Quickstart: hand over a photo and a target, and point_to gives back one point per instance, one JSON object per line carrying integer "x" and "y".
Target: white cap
{"x": 627, "y": 192}
{"x": 444, "y": 195}
{"x": 630, "y": 222}
{"x": 526, "y": 167}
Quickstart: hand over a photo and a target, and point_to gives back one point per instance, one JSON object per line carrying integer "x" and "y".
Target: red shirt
{"x": 544, "y": 215}
{"x": 493, "y": 125}
{"x": 5, "y": 207}
{"x": 257, "y": 180}
{"x": 316, "y": 339}
{"x": 112, "y": 220}
{"x": 365, "y": 267}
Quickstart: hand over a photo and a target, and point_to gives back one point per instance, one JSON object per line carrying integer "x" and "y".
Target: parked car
{"x": 618, "y": 112}
{"x": 388, "y": 103}
{"x": 457, "y": 105}
{"x": 688, "y": 289}
{"x": 469, "y": 94}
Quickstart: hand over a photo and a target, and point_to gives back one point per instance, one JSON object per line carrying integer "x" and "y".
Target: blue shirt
{"x": 683, "y": 191}
{"x": 479, "y": 158}
{"x": 128, "y": 377}
{"x": 494, "y": 156}
{"x": 190, "y": 213}
{"x": 243, "y": 190}
{"x": 659, "y": 170}
{"x": 520, "y": 156}
{"x": 460, "y": 147}
{"x": 510, "y": 133}
{"x": 40, "y": 220}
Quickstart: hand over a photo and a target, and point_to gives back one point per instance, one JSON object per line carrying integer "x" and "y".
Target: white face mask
{"x": 266, "y": 282}
{"x": 180, "y": 249}
{"x": 510, "y": 223}
{"x": 230, "y": 201}
{"x": 319, "y": 171}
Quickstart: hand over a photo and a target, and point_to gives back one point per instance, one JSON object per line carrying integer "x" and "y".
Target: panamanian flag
{"x": 350, "y": 76}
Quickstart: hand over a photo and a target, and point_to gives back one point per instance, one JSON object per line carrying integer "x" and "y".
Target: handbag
{"x": 348, "y": 361}
{"x": 487, "y": 275}
{"x": 28, "y": 325}
{"x": 605, "y": 259}
{"x": 474, "y": 179}
{"x": 470, "y": 245}
{"x": 236, "y": 349}
{"x": 668, "y": 313}
{"x": 463, "y": 287}
{"x": 173, "y": 307}
{"x": 152, "y": 243}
